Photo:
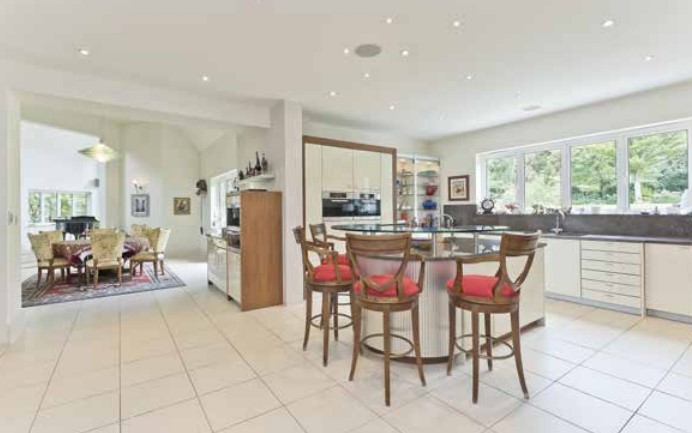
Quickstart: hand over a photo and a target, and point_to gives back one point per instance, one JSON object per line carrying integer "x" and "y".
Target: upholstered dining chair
{"x": 55, "y": 236}
{"x": 43, "y": 250}
{"x": 488, "y": 295}
{"x": 139, "y": 230}
{"x": 107, "y": 253}
{"x": 93, "y": 232}
{"x": 158, "y": 239}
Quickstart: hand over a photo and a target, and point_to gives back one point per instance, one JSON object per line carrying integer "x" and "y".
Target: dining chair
{"x": 139, "y": 230}
{"x": 158, "y": 239}
{"x": 55, "y": 236}
{"x": 107, "y": 253}
{"x": 46, "y": 260}
{"x": 488, "y": 295}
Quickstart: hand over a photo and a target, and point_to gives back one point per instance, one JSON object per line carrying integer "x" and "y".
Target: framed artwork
{"x": 140, "y": 205}
{"x": 458, "y": 188}
{"x": 181, "y": 206}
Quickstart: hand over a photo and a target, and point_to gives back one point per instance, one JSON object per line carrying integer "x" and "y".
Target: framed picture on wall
{"x": 140, "y": 205}
{"x": 458, "y": 188}
{"x": 181, "y": 206}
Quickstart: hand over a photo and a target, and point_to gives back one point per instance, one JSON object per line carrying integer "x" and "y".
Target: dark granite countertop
{"x": 615, "y": 238}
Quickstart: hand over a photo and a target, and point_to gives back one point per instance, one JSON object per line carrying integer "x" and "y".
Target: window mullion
{"x": 621, "y": 166}
{"x": 521, "y": 183}
{"x": 566, "y": 177}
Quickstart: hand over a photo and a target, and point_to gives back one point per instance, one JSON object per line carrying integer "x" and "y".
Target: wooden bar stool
{"x": 485, "y": 294}
{"x": 386, "y": 293}
{"x": 329, "y": 279}
{"x": 321, "y": 236}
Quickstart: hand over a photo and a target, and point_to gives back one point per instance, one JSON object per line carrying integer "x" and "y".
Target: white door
{"x": 366, "y": 170}
{"x": 313, "y": 183}
{"x": 337, "y": 169}
{"x": 386, "y": 189}
{"x": 562, "y": 267}
{"x": 668, "y": 278}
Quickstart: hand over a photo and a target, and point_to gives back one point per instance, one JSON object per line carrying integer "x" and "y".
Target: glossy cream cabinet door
{"x": 386, "y": 189}
{"x": 367, "y": 169}
{"x": 668, "y": 278}
{"x": 337, "y": 169}
{"x": 563, "y": 267}
{"x": 313, "y": 183}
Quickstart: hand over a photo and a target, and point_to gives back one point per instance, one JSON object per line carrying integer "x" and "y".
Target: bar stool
{"x": 386, "y": 293}
{"x": 330, "y": 280}
{"x": 320, "y": 236}
{"x": 484, "y": 294}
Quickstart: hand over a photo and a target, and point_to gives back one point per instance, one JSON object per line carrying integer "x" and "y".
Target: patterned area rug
{"x": 75, "y": 290}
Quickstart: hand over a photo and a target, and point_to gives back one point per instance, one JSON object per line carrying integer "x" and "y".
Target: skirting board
{"x": 592, "y": 303}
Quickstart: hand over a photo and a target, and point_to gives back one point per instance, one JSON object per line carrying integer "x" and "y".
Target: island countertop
{"x": 403, "y": 228}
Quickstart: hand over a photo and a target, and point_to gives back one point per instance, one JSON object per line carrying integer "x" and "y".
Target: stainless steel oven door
{"x": 337, "y": 205}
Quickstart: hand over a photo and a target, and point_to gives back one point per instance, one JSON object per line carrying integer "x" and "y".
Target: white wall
{"x": 50, "y": 161}
{"x": 458, "y": 153}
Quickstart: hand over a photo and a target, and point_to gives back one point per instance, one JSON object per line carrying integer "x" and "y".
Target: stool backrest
{"x": 517, "y": 245}
{"x": 397, "y": 245}
{"x": 318, "y": 249}
{"x": 319, "y": 233}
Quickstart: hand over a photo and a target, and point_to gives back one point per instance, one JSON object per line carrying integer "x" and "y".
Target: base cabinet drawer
{"x": 612, "y": 298}
{"x": 622, "y": 268}
{"x": 620, "y": 289}
{"x": 612, "y": 277}
{"x": 610, "y": 256}
{"x": 624, "y": 247}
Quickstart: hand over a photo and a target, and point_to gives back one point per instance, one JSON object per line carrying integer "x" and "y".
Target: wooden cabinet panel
{"x": 337, "y": 169}
{"x": 387, "y": 188}
{"x": 313, "y": 183}
{"x": 668, "y": 278}
{"x": 367, "y": 168}
{"x": 562, "y": 267}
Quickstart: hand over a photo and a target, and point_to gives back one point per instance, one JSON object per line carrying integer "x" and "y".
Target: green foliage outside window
{"x": 542, "y": 178}
{"x": 594, "y": 174}
{"x": 502, "y": 180}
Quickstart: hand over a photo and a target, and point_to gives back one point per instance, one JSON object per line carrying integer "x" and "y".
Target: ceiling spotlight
{"x": 607, "y": 24}
{"x": 389, "y": 20}
{"x": 333, "y": 93}
{"x": 648, "y": 58}
{"x": 205, "y": 78}
{"x": 456, "y": 23}
{"x": 346, "y": 51}
{"x": 83, "y": 51}
{"x": 469, "y": 77}
{"x": 405, "y": 53}
{"x": 392, "y": 107}
{"x": 366, "y": 75}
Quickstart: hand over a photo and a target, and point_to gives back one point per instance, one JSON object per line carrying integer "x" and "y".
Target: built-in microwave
{"x": 338, "y": 205}
{"x": 367, "y": 204}
{"x": 233, "y": 216}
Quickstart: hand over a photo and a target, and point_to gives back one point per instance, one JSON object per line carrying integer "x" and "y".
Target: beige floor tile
{"x": 141, "y": 349}
{"x": 625, "y": 368}
{"x": 79, "y": 416}
{"x": 493, "y": 405}
{"x": 297, "y": 382}
{"x": 640, "y": 424}
{"x": 544, "y": 365}
{"x": 21, "y": 399}
{"x": 16, "y": 422}
{"x": 333, "y": 411}
{"x": 677, "y": 385}
{"x": 217, "y": 376}
{"x": 581, "y": 409}
{"x": 155, "y": 394}
{"x": 506, "y": 379}
{"x": 377, "y": 425}
{"x": 618, "y": 391}
{"x": 206, "y": 355}
{"x": 272, "y": 359}
{"x": 31, "y": 374}
{"x": 238, "y": 403}
{"x": 147, "y": 369}
{"x": 67, "y": 389}
{"x": 428, "y": 413}
{"x": 112, "y": 428}
{"x": 528, "y": 419}
{"x": 369, "y": 389}
{"x": 684, "y": 364}
{"x": 668, "y": 348}
{"x": 543, "y": 342}
{"x": 185, "y": 417}
{"x": 669, "y": 410}
{"x": 278, "y": 420}
{"x": 76, "y": 363}
{"x": 199, "y": 337}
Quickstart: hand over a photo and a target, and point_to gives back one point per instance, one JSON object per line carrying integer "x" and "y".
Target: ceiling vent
{"x": 368, "y": 50}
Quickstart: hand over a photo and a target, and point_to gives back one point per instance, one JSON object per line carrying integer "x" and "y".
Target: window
{"x": 542, "y": 178}
{"x": 639, "y": 170}
{"x": 502, "y": 180}
{"x": 594, "y": 175}
{"x": 220, "y": 187}
{"x": 658, "y": 171}
{"x": 45, "y": 206}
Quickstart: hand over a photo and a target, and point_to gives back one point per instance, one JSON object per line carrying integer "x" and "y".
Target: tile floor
{"x": 185, "y": 360}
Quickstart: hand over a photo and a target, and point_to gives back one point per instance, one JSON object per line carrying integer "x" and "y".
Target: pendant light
{"x": 101, "y": 152}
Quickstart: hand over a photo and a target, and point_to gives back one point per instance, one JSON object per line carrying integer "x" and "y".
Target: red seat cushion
{"x": 343, "y": 260}
{"x": 410, "y": 288}
{"x": 326, "y": 273}
{"x": 480, "y": 286}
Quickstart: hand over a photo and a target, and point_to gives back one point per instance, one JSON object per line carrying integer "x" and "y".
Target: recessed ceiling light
{"x": 83, "y": 51}
{"x": 366, "y": 75}
{"x": 456, "y": 23}
{"x": 333, "y": 93}
{"x": 607, "y": 24}
{"x": 531, "y": 108}
{"x": 205, "y": 78}
{"x": 469, "y": 77}
{"x": 346, "y": 51}
{"x": 389, "y": 20}
{"x": 649, "y": 58}
{"x": 405, "y": 53}
{"x": 392, "y": 107}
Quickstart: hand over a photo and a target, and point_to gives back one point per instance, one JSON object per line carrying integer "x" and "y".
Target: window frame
{"x": 621, "y": 139}
{"x": 56, "y": 193}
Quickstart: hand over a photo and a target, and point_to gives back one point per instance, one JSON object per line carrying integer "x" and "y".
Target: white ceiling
{"x": 552, "y": 53}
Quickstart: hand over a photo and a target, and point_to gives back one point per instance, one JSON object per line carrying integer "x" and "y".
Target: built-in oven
{"x": 338, "y": 205}
{"x": 233, "y": 216}
{"x": 367, "y": 205}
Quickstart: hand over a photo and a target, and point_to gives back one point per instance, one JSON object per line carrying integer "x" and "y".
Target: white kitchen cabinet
{"x": 313, "y": 183}
{"x": 386, "y": 189}
{"x": 668, "y": 278}
{"x": 367, "y": 168}
{"x": 337, "y": 169}
{"x": 562, "y": 267}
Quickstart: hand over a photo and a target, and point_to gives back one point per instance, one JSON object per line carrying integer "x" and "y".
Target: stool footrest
{"x": 394, "y": 336}
{"x": 493, "y": 339}
{"x": 331, "y": 315}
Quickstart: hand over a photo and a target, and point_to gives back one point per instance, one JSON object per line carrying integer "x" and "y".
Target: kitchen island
{"x": 439, "y": 248}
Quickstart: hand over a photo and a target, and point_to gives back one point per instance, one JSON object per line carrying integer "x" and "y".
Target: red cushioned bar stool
{"x": 322, "y": 237}
{"x": 488, "y": 295}
{"x": 386, "y": 293}
{"x": 329, "y": 279}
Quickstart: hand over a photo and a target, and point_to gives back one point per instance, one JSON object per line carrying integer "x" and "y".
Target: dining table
{"x": 78, "y": 251}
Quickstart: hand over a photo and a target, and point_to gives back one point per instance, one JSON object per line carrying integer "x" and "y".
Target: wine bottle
{"x": 258, "y": 165}
{"x": 265, "y": 164}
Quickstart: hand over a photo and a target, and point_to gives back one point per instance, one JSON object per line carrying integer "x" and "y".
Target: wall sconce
{"x": 140, "y": 185}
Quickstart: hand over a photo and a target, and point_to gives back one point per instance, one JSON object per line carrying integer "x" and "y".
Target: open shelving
{"x": 418, "y": 182}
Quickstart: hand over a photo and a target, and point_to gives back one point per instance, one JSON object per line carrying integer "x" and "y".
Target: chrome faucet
{"x": 448, "y": 220}
{"x": 557, "y": 229}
